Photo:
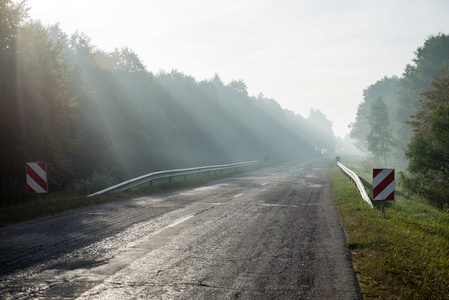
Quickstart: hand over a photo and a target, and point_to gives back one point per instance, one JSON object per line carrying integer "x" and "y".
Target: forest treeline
{"x": 88, "y": 112}
{"x": 403, "y": 122}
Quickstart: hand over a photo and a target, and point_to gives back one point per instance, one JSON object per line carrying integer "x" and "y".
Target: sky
{"x": 305, "y": 54}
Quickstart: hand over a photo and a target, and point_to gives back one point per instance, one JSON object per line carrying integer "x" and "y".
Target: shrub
{"x": 97, "y": 182}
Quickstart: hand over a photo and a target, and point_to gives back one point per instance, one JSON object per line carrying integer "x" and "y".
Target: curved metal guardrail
{"x": 168, "y": 174}
{"x": 357, "y": 181}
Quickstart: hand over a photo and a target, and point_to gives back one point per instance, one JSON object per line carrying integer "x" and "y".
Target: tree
{"x": 324, "y": 137}
{"x": 12, "y": 15}
{"x": 379, "y": 138}
{"x": 38, "y": 110}
{"x": 239, "y": 86}
{"x": 416, "y": 79}
{"x": 428, "y": 171}
{"x": 128, "y": 61}
{"x": 46, "y": 105}
{"x": 387, "y": 88}
{"x": 401, "y": 96}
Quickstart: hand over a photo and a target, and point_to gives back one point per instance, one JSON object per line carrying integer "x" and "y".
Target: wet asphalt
{"x": 273, "y": 233}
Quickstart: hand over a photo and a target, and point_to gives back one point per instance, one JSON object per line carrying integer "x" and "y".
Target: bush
{"x": 98, "y": 181}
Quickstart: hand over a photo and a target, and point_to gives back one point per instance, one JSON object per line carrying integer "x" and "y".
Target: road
{"x": 273, "y": 233}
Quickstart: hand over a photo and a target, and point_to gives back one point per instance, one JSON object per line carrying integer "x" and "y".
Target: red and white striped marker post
{"x": 37, "y": 178}
{"x": 383, "y": 185}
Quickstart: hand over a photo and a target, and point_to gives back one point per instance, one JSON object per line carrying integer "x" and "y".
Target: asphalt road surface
{"x": 273, "y": 233}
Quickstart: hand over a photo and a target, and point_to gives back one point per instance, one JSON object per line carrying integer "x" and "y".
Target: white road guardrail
{"x": 169, "y": 174}
{"x": 357, "y": 181}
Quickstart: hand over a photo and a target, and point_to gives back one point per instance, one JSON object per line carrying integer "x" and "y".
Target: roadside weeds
{"x": 53, "y": 203}
{"x": 403, "y": 254}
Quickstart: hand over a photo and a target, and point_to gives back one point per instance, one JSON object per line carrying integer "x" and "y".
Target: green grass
{"x": 403, "y": 254}
{"x": 53, "y": 203}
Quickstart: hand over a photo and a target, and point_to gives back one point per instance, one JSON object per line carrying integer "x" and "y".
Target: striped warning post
{"x": 383, "y": 184}
{"x": 37, "y": 178}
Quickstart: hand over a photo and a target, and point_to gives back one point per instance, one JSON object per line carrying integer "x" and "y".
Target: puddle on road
{"x": 311, "y": 176}
{"x": 316, "y": 185}
{"x": 279, "y": 205}
{"x": 208, "y": 187}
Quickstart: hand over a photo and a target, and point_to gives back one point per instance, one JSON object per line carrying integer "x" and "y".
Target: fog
{"x": 85, "y": 109}
{"x": 92, "y": 114}
{"x": 170, "y": 120}
{"x": 304, "y": 54}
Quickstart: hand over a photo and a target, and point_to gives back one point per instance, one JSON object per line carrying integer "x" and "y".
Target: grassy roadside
{"x": 403, "y": 254}
{"x": 53, "y": 203}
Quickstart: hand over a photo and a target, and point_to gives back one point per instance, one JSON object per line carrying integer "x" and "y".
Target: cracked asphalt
{"x": 273, "y": 233}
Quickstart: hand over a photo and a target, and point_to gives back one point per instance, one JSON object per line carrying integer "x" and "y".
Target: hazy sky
{"x": 302, "y": 53}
